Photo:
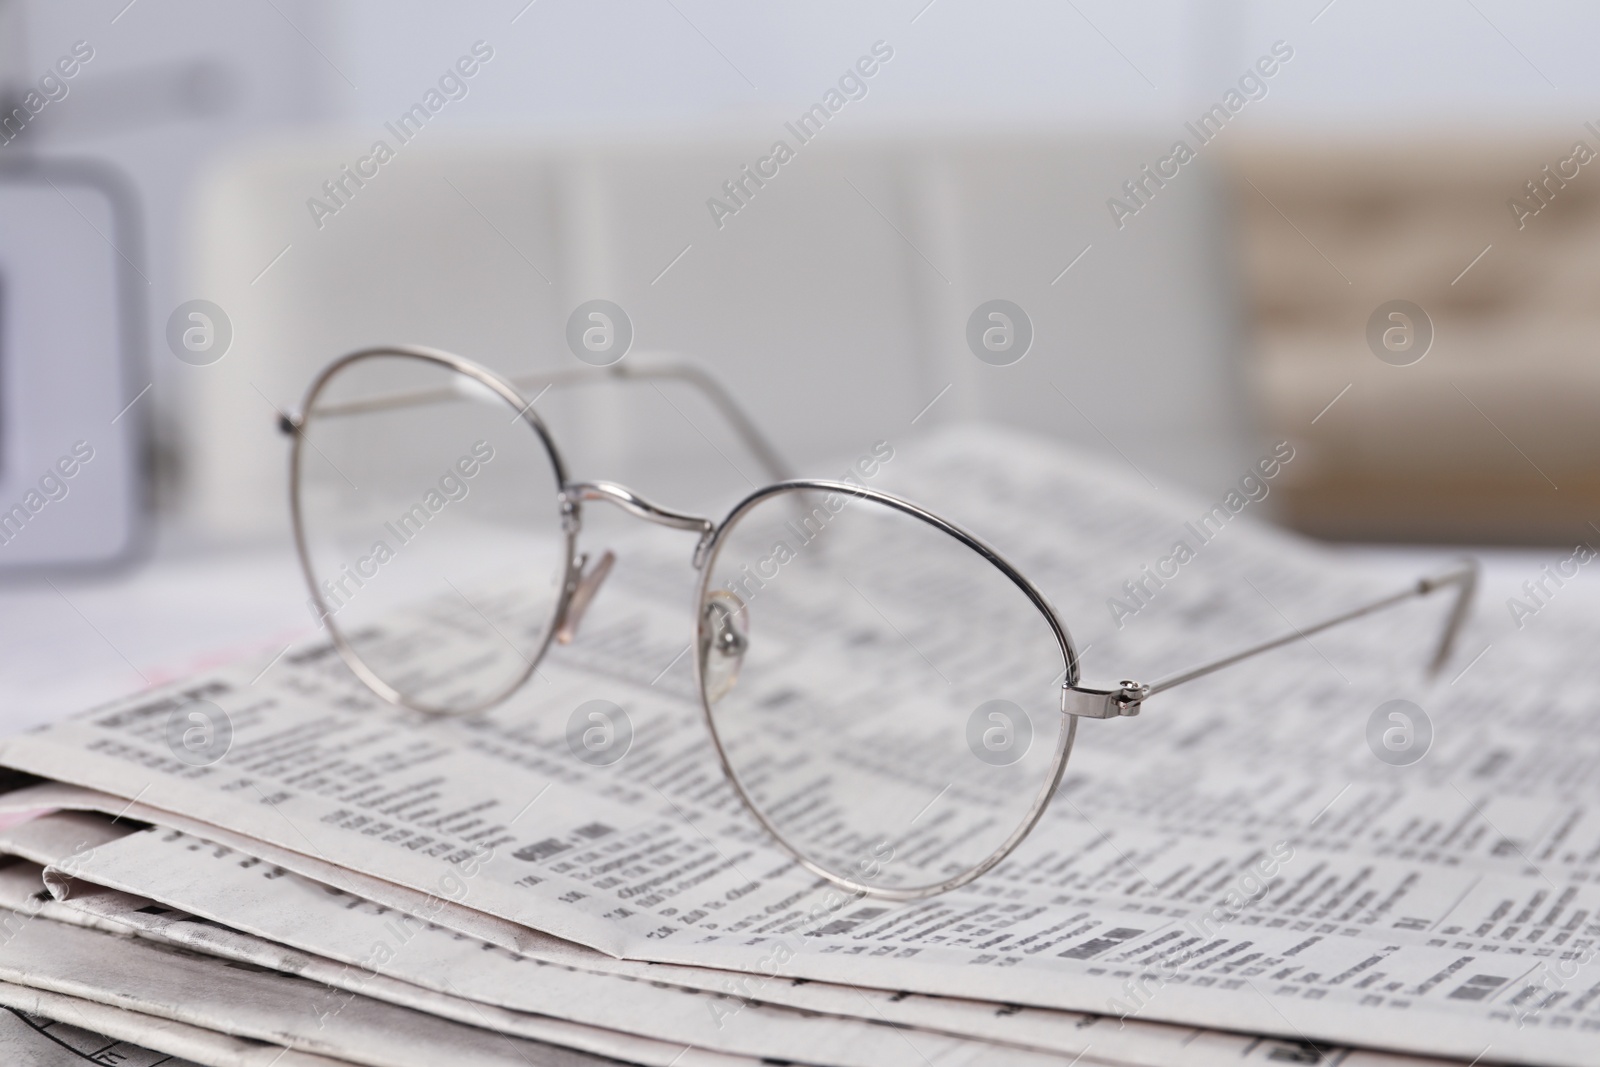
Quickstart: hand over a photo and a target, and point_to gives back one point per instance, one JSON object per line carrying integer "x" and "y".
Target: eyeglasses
{"x": 892, "y": 700}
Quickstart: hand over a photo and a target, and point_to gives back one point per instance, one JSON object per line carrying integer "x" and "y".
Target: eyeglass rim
{"x": 707, "y": 558}
{"x": 571, "y": 520}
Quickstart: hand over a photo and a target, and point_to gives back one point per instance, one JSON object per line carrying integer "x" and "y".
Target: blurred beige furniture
{"x": 1493, "y": 436}
{"x": 834, "y": 303}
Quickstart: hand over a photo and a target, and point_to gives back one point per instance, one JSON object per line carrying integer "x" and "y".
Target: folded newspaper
{"x": 1244, "y": 873}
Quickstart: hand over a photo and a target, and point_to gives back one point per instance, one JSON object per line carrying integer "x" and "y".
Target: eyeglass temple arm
{"x": 1127, "y": 698}
{"x": 693, "y": 375}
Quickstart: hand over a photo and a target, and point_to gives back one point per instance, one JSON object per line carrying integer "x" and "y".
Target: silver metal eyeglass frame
{"x": 580, "y": 584}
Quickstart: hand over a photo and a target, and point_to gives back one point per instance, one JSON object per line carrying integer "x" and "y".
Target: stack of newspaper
{"x": 1239, "y": 875}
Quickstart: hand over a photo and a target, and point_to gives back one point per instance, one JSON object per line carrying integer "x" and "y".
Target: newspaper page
{"x": 221, "y": 876}
{"x": 225, "y": 886}
{"x": 214, "y": 883}
{"x": 367, "y": 940}
{"x": 42, "y": 1042}
{"x": 43, "y": 1029}
{"x": 1238, "y": 856}
{"x": 22, "y": 892}
{"x": 220, "y": 884}
{"x": 214, "y": 994}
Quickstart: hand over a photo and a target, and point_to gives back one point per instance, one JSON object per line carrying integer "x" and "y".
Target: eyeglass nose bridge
{"x": 622, "y": 497}
{"x": 584, "y": 582}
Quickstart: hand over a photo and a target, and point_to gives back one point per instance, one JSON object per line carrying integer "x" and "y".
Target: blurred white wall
{"x": 835, "y": 303}
{"x": 1103, "y": 62}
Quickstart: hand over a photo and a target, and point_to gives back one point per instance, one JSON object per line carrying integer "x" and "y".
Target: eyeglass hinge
{"x": 1090, "y": 703}
{"x": 571, "y": 521}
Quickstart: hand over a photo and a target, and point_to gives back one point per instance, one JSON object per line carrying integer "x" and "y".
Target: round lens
{"x": 885, "y": 696}
{"x": 428, "y": 513}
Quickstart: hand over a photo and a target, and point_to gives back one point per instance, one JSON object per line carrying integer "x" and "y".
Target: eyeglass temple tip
{"x": 1127, "y": 698}
{"x": 1465, "y": 574}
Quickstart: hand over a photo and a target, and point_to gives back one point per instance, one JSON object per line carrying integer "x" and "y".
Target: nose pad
{"x": 584, "y": 587}
{"x": 724, "y": 638}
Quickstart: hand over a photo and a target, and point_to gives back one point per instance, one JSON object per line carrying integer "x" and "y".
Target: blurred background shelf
{"x": 1492, "y": 436}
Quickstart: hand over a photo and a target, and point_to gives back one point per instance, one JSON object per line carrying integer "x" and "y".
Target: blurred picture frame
{"x": 73, "y": 429}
